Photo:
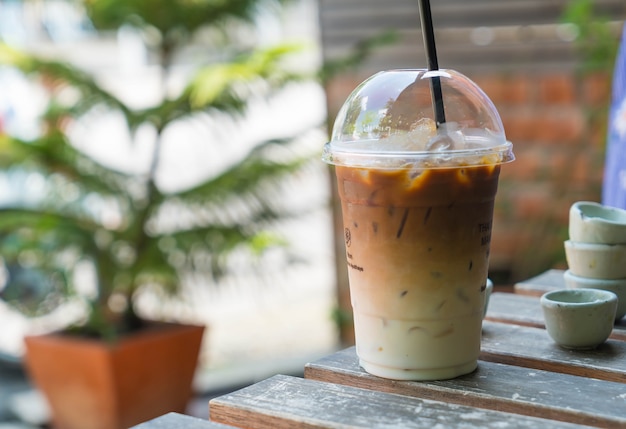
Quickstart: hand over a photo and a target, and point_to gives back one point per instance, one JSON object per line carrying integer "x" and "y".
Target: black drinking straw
{"x": 431, "y": 55}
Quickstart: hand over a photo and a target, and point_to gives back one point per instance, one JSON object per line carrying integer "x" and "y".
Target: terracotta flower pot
{"x": 90, "y": 384}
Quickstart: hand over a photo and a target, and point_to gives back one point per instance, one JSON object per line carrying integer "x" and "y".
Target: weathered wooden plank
{"x": 291, "y": 402}
{"x": 180, "y": 421}
{"x": 455, "y": 41}
{"x": 455, "y": 13}
{"x": 533, "y": 348}
{"x": 495, "y": 386}
{"x": 542, "y": 283}
{"x": 466, "y": 56}
{"x": 512, "y": 33}
{"x": 525, "y": 310}
{"x": 410, "y": 38}
{"x": 514, "y": 308}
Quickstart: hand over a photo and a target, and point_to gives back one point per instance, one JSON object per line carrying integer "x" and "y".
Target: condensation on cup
{"x": 417, "y": 202}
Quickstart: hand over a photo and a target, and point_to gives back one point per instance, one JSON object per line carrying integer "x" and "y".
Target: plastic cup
{"x": 417, "y": 203}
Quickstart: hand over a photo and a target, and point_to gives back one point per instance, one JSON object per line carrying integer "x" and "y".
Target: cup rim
{"x": 594, "y": 212}
{"x": 342, "y": 155}
{"x": 581, "y": 245}
{"x": 549, "y": 299}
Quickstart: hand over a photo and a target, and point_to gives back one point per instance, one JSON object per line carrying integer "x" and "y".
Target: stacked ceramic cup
{"x": 596, "y": 250}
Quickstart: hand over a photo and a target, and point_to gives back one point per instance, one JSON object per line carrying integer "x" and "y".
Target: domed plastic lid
{"x": 388, "y": 122}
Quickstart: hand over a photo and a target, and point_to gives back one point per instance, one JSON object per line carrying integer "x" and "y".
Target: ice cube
{"x": 449, "y": 137}
{"x": 413, "y": 140}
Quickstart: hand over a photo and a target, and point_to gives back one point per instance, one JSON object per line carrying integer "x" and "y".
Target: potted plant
{"x": 115, "y": 223}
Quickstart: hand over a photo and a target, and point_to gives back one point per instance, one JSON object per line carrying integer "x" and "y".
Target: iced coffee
{"x": 417, "y": 201}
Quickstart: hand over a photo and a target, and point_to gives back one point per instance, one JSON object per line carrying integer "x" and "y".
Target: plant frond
{"x": 264, "y": 66}
{"x": 207, "y": 249}
{"x": 38, "y": 224}
{"x": 58, "y": 73}
{"x": 172, "y": 16}
{"x": 53, "y": 154}
{"x": 244, "y": 176}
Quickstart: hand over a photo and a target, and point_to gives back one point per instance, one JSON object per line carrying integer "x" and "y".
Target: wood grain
{"x": 516, "y": 309}
{"x": 533, "y": 348}
{"x": 520, "y": 33}
{"x": 282, "y": 402}
{"x": 538, "y": 285}
{"x": 495, "y": 386}
{"x": 179, "y": 421}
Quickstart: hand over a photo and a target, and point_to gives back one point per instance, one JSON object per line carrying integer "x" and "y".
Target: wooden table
{"x": 523, "y": 380}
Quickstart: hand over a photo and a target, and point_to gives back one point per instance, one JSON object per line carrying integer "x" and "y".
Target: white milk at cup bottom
{"x": 418, "y": 349}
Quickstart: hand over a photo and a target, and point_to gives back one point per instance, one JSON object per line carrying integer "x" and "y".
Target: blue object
{"x": 614, "y": 184}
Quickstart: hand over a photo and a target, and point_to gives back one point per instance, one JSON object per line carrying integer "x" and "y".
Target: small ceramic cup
{"x": 488, "y": 290}
{"x": 594, "y": 260}
{"x": 618, "y": 287}
{"x": 579, "y": 318}
{"x": 591, "y": 222}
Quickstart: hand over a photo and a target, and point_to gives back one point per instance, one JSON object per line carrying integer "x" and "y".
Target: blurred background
{"x": 546, "y": 64}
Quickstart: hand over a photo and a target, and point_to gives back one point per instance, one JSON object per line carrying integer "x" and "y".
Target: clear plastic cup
{"x": 417, "y": 202}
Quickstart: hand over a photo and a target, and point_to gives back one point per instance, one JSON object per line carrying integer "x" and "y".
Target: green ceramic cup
{"x": 579, "y": 318}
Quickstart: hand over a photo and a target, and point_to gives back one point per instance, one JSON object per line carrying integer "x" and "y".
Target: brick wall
{"x": 556, "y": 122}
